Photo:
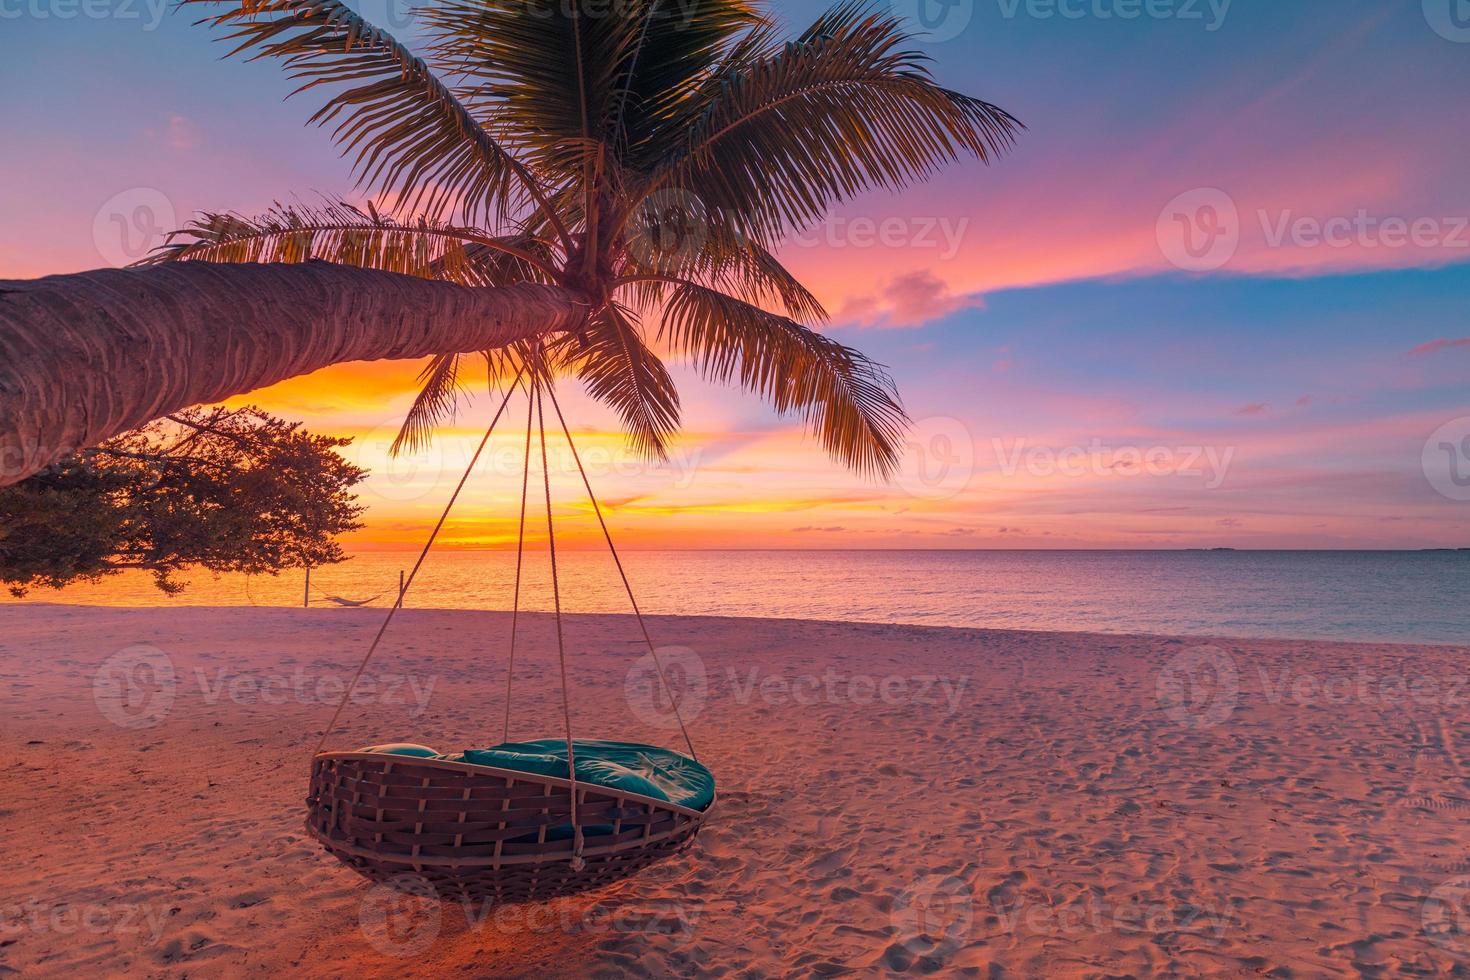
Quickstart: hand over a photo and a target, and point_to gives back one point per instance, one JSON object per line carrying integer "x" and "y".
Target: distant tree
{"x": 219, "y": 489}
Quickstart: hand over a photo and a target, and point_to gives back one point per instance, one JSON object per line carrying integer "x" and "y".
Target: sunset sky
{"x": 1216, "y": 297}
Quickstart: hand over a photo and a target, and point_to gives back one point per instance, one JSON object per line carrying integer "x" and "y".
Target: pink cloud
{"x": 1441, "y": 344}
{"x": 1255, "y": 408}
{"x": 910, "y": 300}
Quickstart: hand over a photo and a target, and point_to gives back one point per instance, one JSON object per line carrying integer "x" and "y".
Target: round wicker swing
{"x": 478, "y": 833}
{"x": 457, "y": 825}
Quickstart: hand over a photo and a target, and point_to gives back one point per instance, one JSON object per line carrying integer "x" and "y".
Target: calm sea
{"x": 1401, "y": 596}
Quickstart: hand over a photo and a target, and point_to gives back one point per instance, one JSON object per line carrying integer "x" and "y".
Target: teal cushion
{"x": 629, "y": 766}
{"x": 537, "y": 763}
{"x": 598, "y": 772}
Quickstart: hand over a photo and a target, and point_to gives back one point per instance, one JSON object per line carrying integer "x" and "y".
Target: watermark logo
{"x": 932, "y": 918}
{"x": 138, "y": 686}
{"x": 938, "y": 460}
{"x": 934, "y": 21}
{"x": 1446, "y": 459}
{"x": 131, "y": 224}
{"x": 1199, "y": 231}
{"x": 135, "y": 687}
{"x": 1445, "y": 916}
{"x": 402, "y": 916}
{"x": 412, "y": 473}
{"x": 433, "y": 466}
{"x": 1199, "y": 687}
{"x": 685, "y": 683}
{"x": 1449, "y": 18}
{"x": 395, "y": 16}
{"x": 669, "y": 230}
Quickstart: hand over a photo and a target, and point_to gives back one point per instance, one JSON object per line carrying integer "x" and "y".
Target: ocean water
{"x": 1392, "y": 596}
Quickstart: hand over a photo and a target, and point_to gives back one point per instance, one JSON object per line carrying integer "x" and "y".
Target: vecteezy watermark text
{"x": 297, "y": 687}
{"x": 1286, "y": 685}
{"x": 1201, "y": 230}
{"x": 1211, "y": 463}
{"x": 942, "y": 234}
{"x": 90, "y": 919}
{"x": 1201, "y": 686}
{"x": 1209, "y": 13}
{"x": 833, "y": 687}
{"x": 403, "y": 916}
{"x": 414, "y": 473}
{"x": 150, "y": 12}
{"x": 137, "y": 687}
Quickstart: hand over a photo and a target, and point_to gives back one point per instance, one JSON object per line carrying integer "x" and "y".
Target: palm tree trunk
{"x": 86, "y": 356}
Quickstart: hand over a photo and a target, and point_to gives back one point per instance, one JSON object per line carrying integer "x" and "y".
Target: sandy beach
{"x": 892, "y": 799}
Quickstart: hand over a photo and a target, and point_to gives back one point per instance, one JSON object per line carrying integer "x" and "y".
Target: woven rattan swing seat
{"x": 456, "y": 825}
{"x": 478, "y": 833}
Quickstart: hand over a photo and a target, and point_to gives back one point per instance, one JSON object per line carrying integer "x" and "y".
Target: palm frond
{"x": 339, "y": 232}
{"x": 619, "y": 370}
{"x": 436, "y": 401}
{"x": 721, "y": 258}
{"x": 408, "y": 133}
{"x": 848, "y": 401}
{"x": 544, "y": 70}
{"x": 644, "y": 157}
{"x": 499, "y": 261}
{"x": 575, "y": 78}
{"x": 844, "y": 108}
{"x": 678, "y": 45}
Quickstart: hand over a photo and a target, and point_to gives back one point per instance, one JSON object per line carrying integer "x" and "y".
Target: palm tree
{"x": 574, "y": 183}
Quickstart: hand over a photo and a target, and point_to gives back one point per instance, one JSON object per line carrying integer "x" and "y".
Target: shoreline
{"x": 891, "y": 798}
{"x": 381, "y": 611}
{"x": 1367, "y": 598}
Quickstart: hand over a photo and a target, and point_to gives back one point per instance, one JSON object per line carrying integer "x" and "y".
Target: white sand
{"x": 1009, "y": 804}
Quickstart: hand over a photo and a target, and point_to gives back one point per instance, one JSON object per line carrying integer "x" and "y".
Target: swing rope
{"x": 561, "y": 649}
{"x": 397, "y": 605}
{"x": 637, "y": 613}
{"x": 515, "y": 612}
{"x": 535, "y": 406}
